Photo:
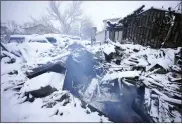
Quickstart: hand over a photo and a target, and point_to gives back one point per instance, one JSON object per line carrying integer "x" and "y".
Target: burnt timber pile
{"x": 154, "y": 27}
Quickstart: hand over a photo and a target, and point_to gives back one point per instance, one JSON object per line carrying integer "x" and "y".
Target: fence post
{"x": 93, "y": 36}
{"x": 105, "y": 35}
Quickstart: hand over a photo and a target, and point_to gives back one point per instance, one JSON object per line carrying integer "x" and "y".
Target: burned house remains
{"x": 154, "y": 27}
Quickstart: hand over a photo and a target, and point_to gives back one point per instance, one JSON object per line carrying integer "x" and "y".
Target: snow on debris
{"x": 90, "y": 90}
{"x": 166, "y": 83}
{"x": 14, "y": 83}
{"x": 161, "y": 77}
{"x": 12, "y": 111}
{"x": 108, "y": 49}
{"x": 116, "y": 75}
{"x": 53, "y": 79}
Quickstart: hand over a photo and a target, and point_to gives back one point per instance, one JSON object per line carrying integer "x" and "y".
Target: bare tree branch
{"x": 45, "y": 21}
{"x": 68, "y": 16}
{"x": 86, "y": 27}
{"x": 13, "y": 28}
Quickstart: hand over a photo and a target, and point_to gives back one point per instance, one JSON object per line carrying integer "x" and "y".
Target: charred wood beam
{"x": 118, "y": 36}
{"x": 137, "y": 11}
{"x": 150, "y": 25}
{"x": 159, "y": 26}
{"x": 46, "y": 68}
{"x": 153, "y": 29}
{"x": 3, "y": 46}
{"x": 105, "y": 35}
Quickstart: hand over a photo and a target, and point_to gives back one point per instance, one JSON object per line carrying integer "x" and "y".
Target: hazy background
{"x": 20, "y": 11}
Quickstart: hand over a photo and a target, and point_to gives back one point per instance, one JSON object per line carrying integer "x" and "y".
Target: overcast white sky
{"x": 20, "y": 11}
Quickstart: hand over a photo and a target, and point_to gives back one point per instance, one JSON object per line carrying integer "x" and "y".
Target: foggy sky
{"x": 20, "y": 11}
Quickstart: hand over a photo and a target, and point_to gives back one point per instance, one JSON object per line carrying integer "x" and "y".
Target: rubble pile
{"x": 159, "y": 77}
{"x": 125, "y": 82}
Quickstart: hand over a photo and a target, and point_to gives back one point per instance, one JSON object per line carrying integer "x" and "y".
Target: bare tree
{"x": 9, "y": 28}
{"x": 45, "y": 21}
{"x": 13, "y": 28}
{"x": 67, "y": 16}
{"x": 86, "y": 27}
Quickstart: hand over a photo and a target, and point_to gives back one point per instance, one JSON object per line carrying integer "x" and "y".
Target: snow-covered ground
{"x": 162, "y": 90}
{"x": 14, "y": 86}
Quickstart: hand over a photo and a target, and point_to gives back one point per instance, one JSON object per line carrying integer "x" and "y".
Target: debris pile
{"x": 125, "y": 82}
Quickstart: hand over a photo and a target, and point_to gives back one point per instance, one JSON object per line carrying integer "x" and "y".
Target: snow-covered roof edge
{"x": 111, "y": 19}
{"x": 160, "y": 9}
{"x": 154, "y": 8}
